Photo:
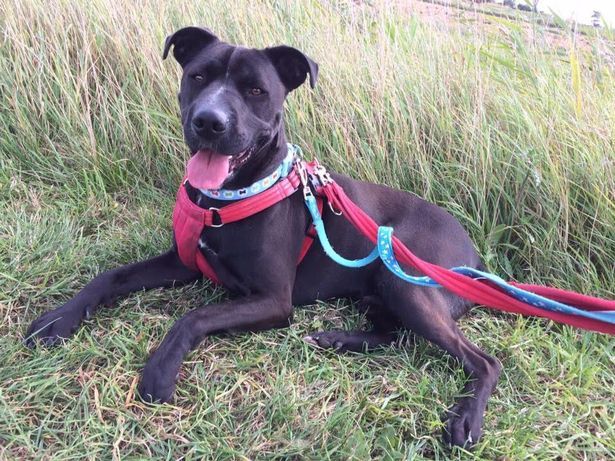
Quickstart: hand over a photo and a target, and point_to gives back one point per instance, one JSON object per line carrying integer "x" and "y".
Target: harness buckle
{"x": 215, "y": 212}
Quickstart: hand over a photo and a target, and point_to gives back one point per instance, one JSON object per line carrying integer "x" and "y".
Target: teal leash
{"x": 319, "y": 225}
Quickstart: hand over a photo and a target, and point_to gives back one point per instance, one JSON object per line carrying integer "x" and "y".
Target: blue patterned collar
{"x": 259, "y": 186}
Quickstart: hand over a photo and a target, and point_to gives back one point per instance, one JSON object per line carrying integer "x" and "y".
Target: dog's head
{"x": 231, "y": 100}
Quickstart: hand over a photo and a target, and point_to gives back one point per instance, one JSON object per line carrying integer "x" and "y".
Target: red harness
{"x": 189, "y": 220}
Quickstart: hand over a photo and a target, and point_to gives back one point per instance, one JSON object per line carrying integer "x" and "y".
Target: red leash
{"x": 475, "y": 290}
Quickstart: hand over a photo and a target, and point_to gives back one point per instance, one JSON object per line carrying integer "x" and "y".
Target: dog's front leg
{"x": 253, "y": 313}
{"x": 161, "y": 271}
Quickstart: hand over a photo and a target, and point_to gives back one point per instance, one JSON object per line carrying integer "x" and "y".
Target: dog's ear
{"x": 187, "y": 42}
{"x": 293, "y": 66}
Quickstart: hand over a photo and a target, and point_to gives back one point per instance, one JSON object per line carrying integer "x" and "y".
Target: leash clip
{"x": 325, "y": 179}
{"x": 302, "y": 171}
{"x": 323, "y": 175}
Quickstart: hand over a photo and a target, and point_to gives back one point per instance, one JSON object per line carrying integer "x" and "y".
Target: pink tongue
{"x": 207, "y": 170}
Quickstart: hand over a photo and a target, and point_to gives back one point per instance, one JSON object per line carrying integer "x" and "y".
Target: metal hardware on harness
{"x": 324, "y": 178}
{"x": 334, "y": 211}
{"x": 215, "y": 211}
{"x": 322, "y": 174}
{"x": 302, "y": 171}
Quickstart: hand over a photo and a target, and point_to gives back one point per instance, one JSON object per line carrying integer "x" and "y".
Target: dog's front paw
{"x": 463, "y": 425}
{"x": 157, "y": 382}
{"x": 339, "y": 341}
{"x": 328, "y": 339}
{"x": 53, "y": 326}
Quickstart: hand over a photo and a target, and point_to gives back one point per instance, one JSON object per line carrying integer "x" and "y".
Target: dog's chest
{"x": 205, "y": 248}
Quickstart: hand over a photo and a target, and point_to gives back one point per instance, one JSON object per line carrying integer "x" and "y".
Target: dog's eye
{"x": 198, "y": 77}
{"x": 256, "y": 91}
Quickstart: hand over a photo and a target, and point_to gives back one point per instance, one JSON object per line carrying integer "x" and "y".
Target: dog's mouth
{"x": 208, "y": 169}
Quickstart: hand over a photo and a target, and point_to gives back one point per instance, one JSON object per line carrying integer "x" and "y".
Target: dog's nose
{"x": 210, "y": 123}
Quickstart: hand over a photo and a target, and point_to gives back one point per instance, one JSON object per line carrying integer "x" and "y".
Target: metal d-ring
{"x": 333, "y": 210}
{"x": 217, "y": 212}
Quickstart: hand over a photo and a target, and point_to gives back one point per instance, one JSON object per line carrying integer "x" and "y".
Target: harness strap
{"x": 189, "y": 219}
{"x": 236, "y": 211}
{"x": 187, "y": 228}
{"x": 205, "y": 267}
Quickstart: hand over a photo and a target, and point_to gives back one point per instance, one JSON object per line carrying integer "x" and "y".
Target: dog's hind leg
{"x": 427, "y": 312}
{"x": 384, "y": 331}
{"x": 161, "y": 271}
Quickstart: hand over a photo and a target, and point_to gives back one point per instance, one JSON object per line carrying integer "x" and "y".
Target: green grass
{"x": 511, "y": 135}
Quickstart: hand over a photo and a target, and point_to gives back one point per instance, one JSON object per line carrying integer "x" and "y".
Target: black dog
{"x": 231, "y": 103}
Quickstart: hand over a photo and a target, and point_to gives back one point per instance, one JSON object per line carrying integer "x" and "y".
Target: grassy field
{"x": 512, "y": 133}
